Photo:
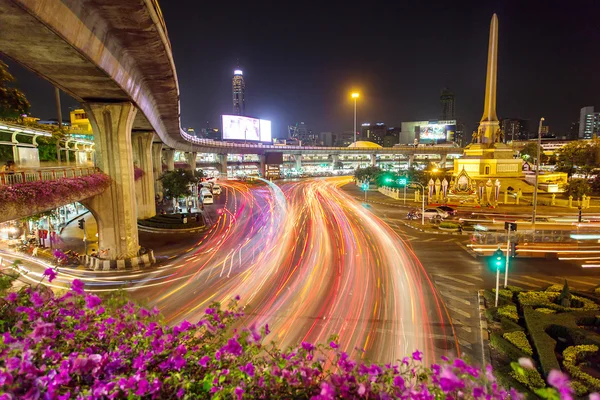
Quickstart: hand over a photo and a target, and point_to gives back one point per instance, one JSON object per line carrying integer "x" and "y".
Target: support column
{"x": 169, "y": 156}
{"x": 115, "y": 208}
{"x": 223, "y": 163}
{"x": 443, "y": 161}
{"x": 411, "y": 160}
{"x": 335, "y": 158}
{"x": 190, "y": 159}
{"x": 157, "y": 168}
{"x": 298, "y": 158}
{"x": 263, "y": 165}
{"x": 373, "y": 160}
{"x": 142, "y": 157}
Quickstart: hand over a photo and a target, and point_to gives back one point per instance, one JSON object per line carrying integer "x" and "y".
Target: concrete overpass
{"x": 114, "y": 56}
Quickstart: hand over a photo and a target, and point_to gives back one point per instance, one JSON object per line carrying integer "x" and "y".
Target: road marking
{"x": 462, "y": 281}
{"x": 449, "y": 240}
{"x": 539, "y": 280}
{"x": 581, "y": 282}
{"x": 456, "y": 298}
{"x": 452, "y": 287}
{"x": 458, "y": 311}
{"x": 429, "y": 240}
{"x": 465, "y": 248}
{"x": 522, "y": 282}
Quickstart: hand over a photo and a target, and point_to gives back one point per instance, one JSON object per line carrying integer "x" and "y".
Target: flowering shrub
{"x": 544, "y": 310}
{"x": 23, "y": 198}
{"x": 519, "y": 339}
{"x": 547, "y": 299}
{"x": 509, "y": 311}
{"x": 77, "y": 346}
{"x": 138, "y": 173}
{"x": 526, "y": 375}
{"x": 555, "y": 288}
{"x": 576, "y": 354}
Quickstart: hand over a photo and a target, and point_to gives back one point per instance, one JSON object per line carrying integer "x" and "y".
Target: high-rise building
{"x": 513, "y": 128}
{"x": 574, "y": 130}
{"x": 238, "y": 87}
{"x": 326, "y": 139}
{"x": 391, "y": 137}
{"x": 589, "y": 122}
{"x": 373, "y": 132}
{"x": 447, "y": 100}
{"x": 303, "y": 134}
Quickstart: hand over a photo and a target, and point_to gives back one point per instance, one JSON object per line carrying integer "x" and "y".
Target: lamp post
{"x": 355, "y": 96}
{"x": 422, "y": 202}
{"x": 537, "y": 173}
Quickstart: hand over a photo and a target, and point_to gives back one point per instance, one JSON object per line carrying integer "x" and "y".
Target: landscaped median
{"x": 173, "y": 223}
{"x": 30, "y": 198}
{"x": 557, "y": 329}
{"x": 78, "y": 345}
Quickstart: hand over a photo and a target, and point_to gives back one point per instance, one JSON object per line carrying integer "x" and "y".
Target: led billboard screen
{"x": 236, "y": 127}
{"x": 265, "y": 130}
{"x": 432, "y": 132}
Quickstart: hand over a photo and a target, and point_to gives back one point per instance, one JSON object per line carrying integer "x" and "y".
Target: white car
{"x": 216, "y": 189}
{"x": 206, "y": 197}
{"x": 433, "y": 213}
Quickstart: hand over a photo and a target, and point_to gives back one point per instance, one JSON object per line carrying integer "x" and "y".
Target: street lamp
{"x": 537, "y": 173}
{"x": 422, "y": 202}
{"x": 355, "y": 96}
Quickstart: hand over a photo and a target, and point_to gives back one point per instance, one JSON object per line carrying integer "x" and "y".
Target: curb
{"x": 149, "y": 229}
{"x": 130, "y": 264}
{"x": 485, "y": 335}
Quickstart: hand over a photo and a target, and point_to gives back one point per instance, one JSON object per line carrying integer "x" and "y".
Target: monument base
{"x": 129, "y": 264}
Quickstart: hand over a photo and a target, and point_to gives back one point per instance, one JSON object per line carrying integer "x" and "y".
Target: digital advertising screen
{"x": 432, "y": 132}
{"x": 265, "y": 130}
{"x": 236, "y": 127}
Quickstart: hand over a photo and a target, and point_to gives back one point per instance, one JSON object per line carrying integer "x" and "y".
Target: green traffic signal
{"x": 402, "y": 181}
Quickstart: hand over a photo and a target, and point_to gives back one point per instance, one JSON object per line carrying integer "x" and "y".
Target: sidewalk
{"x": 375, "y": 197}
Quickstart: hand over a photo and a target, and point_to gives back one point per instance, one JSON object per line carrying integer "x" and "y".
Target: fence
{"x": 44, "y": 174}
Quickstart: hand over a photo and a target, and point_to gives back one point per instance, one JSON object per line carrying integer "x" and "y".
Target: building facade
{"x": 373, "y": 132}
{"x": 238, "y": 86}
{"x": 447, "y": 100}
{"x": 514, "y": 129}
{"x": 589, "y": 122}
{"x": 303, "y": 134}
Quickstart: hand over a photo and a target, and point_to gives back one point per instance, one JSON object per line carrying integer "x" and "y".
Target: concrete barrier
{"x": 130, "y": 264}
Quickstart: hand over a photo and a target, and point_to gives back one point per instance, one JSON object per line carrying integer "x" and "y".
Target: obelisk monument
{"x": 489, "y": 126}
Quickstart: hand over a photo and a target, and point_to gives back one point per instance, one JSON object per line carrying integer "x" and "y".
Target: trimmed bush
{"x": 504, "y": 293}
{"x": 556, "y": 288}
{"x": 449, "y": 225}
{"x": 542, "y": 342}
{"x": 510, "y": 326}
{"x": 490, "y": 298}
{"x": 597, "y": 291}
{"x": 505, "y": 347}
{"x": 547, "y": 300}
{"x": 519, "y": 339}
{"x": 544, "y": 310}
{"x": 574, "y": 355}
{"x": 531, "y": 378}
{"x": 509, "y": 311}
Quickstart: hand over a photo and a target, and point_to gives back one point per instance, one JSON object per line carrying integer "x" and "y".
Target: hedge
{"x": 519, "y": 339}
{"x": 509, "y": 311}
{"x": 544, "y": 310}
{"x": 449, "y": 225}
{"x": 542, "y": 342}
{"x": 531, "y": 378}
{"x": 490, "y": 299}
{"x": 546, "y": 300}
{"x": 510, "y": 326}
{"x": 574, "y": 355}
{"x": 504, "y": 378}
{"x": 505, "y": 347}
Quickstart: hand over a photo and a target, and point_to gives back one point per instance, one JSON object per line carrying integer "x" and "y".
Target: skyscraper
{"x": 447, "y": 100}
{"x": 238, "y": 88}
{"x": 589, "y": 122}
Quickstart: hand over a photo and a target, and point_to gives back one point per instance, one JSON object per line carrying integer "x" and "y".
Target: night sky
{"x": 301, "y": 61}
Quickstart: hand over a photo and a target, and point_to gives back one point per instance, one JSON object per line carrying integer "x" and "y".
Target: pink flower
{"x": 526, "y": 363}
{"x": 334, "y": 345}
{"x": 77, "y": 286}
{"x": 417, "y": 355}
{"x": 50, "y": 273}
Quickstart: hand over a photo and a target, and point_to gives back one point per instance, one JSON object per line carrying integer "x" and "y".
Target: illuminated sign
{"x": 237, "y": 72}
{"x": 236, "y": 127}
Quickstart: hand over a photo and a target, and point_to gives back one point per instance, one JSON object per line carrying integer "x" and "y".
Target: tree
{"x": 564, "y": 299}
{"x": 370, "y": 174}
{"x": 578, "y": 156}
{"x": 13, "y": 102}
{"x": 176, "y": 184}
{"x": 578, "y": 187}
{"x": 416, "y": 175}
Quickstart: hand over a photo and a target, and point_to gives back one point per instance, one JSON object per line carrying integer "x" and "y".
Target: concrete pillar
{"x": 411, "y": 160}
{"x": 373, "y": 160}
{"x": 443, "y": 161}
{"x": 335, "y": 158}
{"x": 263, "y": 165}
{"x": 169, "y": 156}
{"x": 223, "y": 163}
{"x": 190, "y": 159}
{"x": 298, "y": 158}
{"x": 157, "y": 168}
{"x": 114, "y": 209}
{"x": 142, "y": 157}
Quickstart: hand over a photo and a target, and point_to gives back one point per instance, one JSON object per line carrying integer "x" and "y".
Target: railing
{"x": 44, "y": 174}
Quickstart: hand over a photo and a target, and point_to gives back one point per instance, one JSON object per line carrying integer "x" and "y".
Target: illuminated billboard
{"x": 437, "y": 131}
{"x": 236, "y": 127}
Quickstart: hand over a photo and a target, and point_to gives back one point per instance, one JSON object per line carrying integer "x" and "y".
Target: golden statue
{"x": 475, "y": 136}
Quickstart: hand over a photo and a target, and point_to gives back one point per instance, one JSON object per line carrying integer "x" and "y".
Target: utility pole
{"x": 537, "y": 173}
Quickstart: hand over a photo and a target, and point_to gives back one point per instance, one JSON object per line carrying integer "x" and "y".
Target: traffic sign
{"x": 510, "y": 226}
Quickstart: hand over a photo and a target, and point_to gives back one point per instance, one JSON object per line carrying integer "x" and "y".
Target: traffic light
{"x": 81, "y": 223}
{"x": 365, "y": 186}
{"x": 497, "y": 259}
{"x": 513, "y": 249}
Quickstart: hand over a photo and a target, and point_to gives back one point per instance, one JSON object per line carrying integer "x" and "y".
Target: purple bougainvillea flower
{"x": 561, "y": 382}
{"x": 77, "y": 286}
{"x": 399, "y": 382}
{"x": 334, "y": 345}
{"x": 308, "y": 346}
{"x": 204, "y": 361}
{"x": 50, "y": 273}
{"x": 239, "y": 393}
{"x": 37, "y": 299}
{"x": 92, "y": 301}
{"x": 417, "y": 355}
{"x": 594, "y": 396}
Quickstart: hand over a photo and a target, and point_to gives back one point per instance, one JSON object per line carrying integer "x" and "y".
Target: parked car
{"x": 435, "y": 213}
{"x": 448, "y": 209}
